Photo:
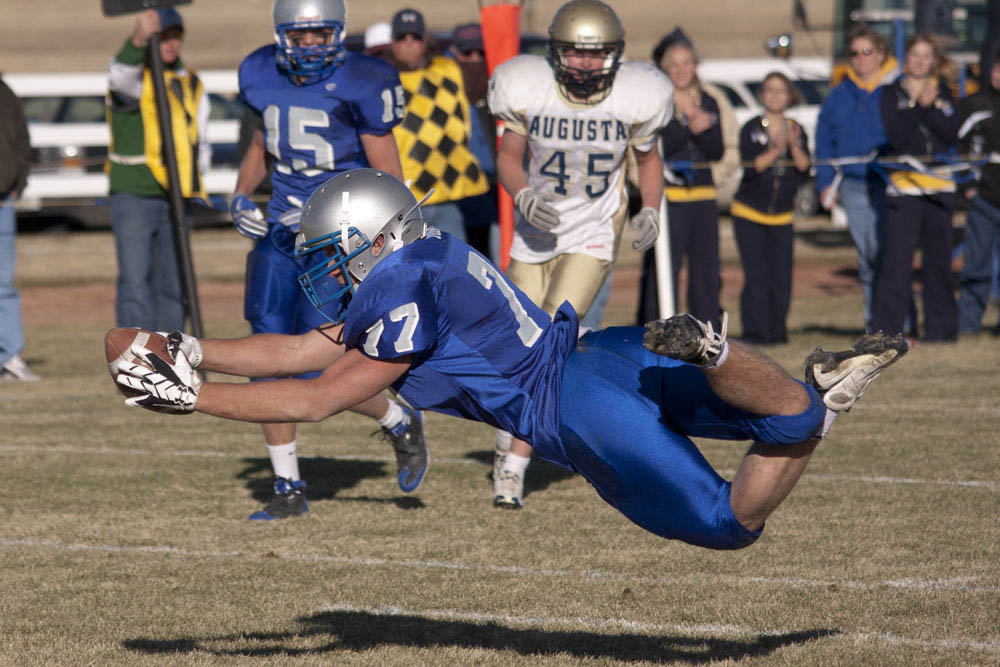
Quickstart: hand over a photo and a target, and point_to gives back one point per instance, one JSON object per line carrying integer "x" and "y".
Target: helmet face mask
{"x": 291, "y": 18}
{"x": 354, "y": 221}
{"x": 582, "y": 27}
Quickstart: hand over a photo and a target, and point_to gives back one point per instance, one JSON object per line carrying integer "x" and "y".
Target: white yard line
{"x": 72, "y": 449}
{"x": 658, "y": 628}
{"x": 961, "y": 584}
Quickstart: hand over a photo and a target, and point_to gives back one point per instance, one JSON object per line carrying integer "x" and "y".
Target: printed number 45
{"x": 596, "y": 183}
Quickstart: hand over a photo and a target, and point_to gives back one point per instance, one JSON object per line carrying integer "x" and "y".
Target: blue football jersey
{"x": 481, "y": 349}
{"x": 314, "y": 131}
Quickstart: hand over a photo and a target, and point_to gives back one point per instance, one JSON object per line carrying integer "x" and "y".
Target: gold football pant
{"x": 572, "y": 277}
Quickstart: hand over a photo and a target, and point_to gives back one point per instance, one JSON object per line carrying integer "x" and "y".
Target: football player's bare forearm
{"x": 650, "y": 168}
{"x": 510, "y": 161}
{"x": 382, "y": 153}
{"x": 253, "y": 168}
{"x": 351, "y": 380}
{"x": 281, "y": 401}
{"x": 270, "y": 355}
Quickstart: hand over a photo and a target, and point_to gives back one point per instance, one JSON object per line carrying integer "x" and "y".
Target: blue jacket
{"x": 850, "y": 124}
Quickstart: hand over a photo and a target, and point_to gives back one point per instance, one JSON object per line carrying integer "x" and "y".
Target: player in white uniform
{"x": 575, "y": 114}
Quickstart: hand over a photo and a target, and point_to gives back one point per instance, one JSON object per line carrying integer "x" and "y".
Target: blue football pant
{"x": 626, "y": 416}
{"x": 273, "y": 301}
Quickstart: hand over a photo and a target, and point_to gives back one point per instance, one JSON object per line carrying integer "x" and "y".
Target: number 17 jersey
{"x": 313, "y": 131}
{"x": 481, "y": 349}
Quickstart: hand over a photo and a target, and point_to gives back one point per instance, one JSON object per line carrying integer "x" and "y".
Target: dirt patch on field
{"x": 94, "y": 303}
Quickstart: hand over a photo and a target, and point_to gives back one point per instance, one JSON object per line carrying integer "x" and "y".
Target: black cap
{"x": 408, "y": 22}
{"x": 170, "y": 18}
{"x": 674, "y": 38}
{"x": 467, "y": 37}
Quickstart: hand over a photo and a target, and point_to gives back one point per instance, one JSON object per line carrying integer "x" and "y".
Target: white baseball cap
{"x": 378, "y": 34}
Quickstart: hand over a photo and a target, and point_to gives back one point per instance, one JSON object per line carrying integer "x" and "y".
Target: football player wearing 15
{"x": 321, "y": 111}
{"x": 577, "y": 113}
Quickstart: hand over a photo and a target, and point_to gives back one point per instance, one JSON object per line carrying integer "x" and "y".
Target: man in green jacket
{"x": 149, "y": 291}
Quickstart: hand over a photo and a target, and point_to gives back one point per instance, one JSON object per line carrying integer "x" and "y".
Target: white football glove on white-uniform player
{"x": 247, "y": 218}
{"x": 646, "y": 224}
{"x": 536, "y": 210}
{"x": 165, "y": 387}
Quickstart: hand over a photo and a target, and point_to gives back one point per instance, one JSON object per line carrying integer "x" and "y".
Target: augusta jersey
{"x": 577, "y": 151}
{"x": 481, "y": 349}
{"x": 313, "y": 131}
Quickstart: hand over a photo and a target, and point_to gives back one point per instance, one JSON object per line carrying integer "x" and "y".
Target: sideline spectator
{"x": 433, "y": 138}
{"x": 979, "y": 136}
{"x": 16, "y": 150}
{"x": 479, "y": 211}
{"x": 920, "y": 119}
{"x": 378, "y": 38}
{"x": 849, "y": 124}
{"x": 149, "y": 284}
{"x": 694, "y": 134}
{"x": 763, "y": 210}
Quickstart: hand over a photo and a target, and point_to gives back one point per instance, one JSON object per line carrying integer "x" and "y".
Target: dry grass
{"x": 125, "y": 539}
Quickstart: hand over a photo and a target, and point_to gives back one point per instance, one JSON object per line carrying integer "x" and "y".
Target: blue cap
{"x": 170, "y": 18}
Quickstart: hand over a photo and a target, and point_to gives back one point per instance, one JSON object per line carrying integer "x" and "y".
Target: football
{"x": 117, "y": 344}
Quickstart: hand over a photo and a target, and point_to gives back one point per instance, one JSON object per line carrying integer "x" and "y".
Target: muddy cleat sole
{"x": 686, "y": 338}
{"x": 289, "y": 500}
{"x": 508, "y": 489}
{"x": 410, "y": 448}
{"x": 842, "y": 377}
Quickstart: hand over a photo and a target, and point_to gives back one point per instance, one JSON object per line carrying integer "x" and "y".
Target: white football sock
{"x": 516, "y": 464}
{"x": 504, "y": 440}
{"x": 285, "y": 460}
{"x": 394, "y": 416}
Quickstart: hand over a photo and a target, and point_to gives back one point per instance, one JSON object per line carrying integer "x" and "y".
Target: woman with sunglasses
{"x": 849, "y": 124}
{"x": 920, "y": 120}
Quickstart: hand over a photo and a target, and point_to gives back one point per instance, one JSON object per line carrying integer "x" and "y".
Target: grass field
{"x": 125, "y": 539}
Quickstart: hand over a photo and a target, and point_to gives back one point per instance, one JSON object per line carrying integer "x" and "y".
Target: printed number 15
{"x": 393, "y": 105}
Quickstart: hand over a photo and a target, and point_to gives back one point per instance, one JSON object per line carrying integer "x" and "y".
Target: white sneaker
{"x": 15, "y": 369}
{"x": 841, "y": 377}
{"x": 508, "y": 489}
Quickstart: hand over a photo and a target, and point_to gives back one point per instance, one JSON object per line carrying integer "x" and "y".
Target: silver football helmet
{"x": 586, "y": 25}
{"x": 357, "y": 219}
{"x": 309, "y": 61}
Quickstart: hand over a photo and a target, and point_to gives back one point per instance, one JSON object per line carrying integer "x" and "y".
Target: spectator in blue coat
{"x": 849, "y": 124}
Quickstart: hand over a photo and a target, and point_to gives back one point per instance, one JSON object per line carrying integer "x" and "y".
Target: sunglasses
{"x": 867, "y": 51}
{"x": 402, "y": 38}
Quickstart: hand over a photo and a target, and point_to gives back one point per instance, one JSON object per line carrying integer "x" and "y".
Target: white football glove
{"x": 247, "y": 218}
{"x": 536, "y": 211}
{"x": 646, "y": 224}
{"x": 166, "y": 387}
{"x": 290, "y": 218}
{"x": 189, "y": 346}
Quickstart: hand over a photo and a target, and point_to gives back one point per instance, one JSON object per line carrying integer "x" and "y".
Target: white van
{"x": 69, "y": 136}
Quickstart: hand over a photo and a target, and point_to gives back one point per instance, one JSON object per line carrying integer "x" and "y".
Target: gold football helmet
{"x": 586, "y": 25}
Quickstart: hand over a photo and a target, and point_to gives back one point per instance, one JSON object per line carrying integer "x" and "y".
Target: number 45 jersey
{"x": 313, "y": 131}
{"x": 481, "y": 349}
{"x": 578, "y": 150}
